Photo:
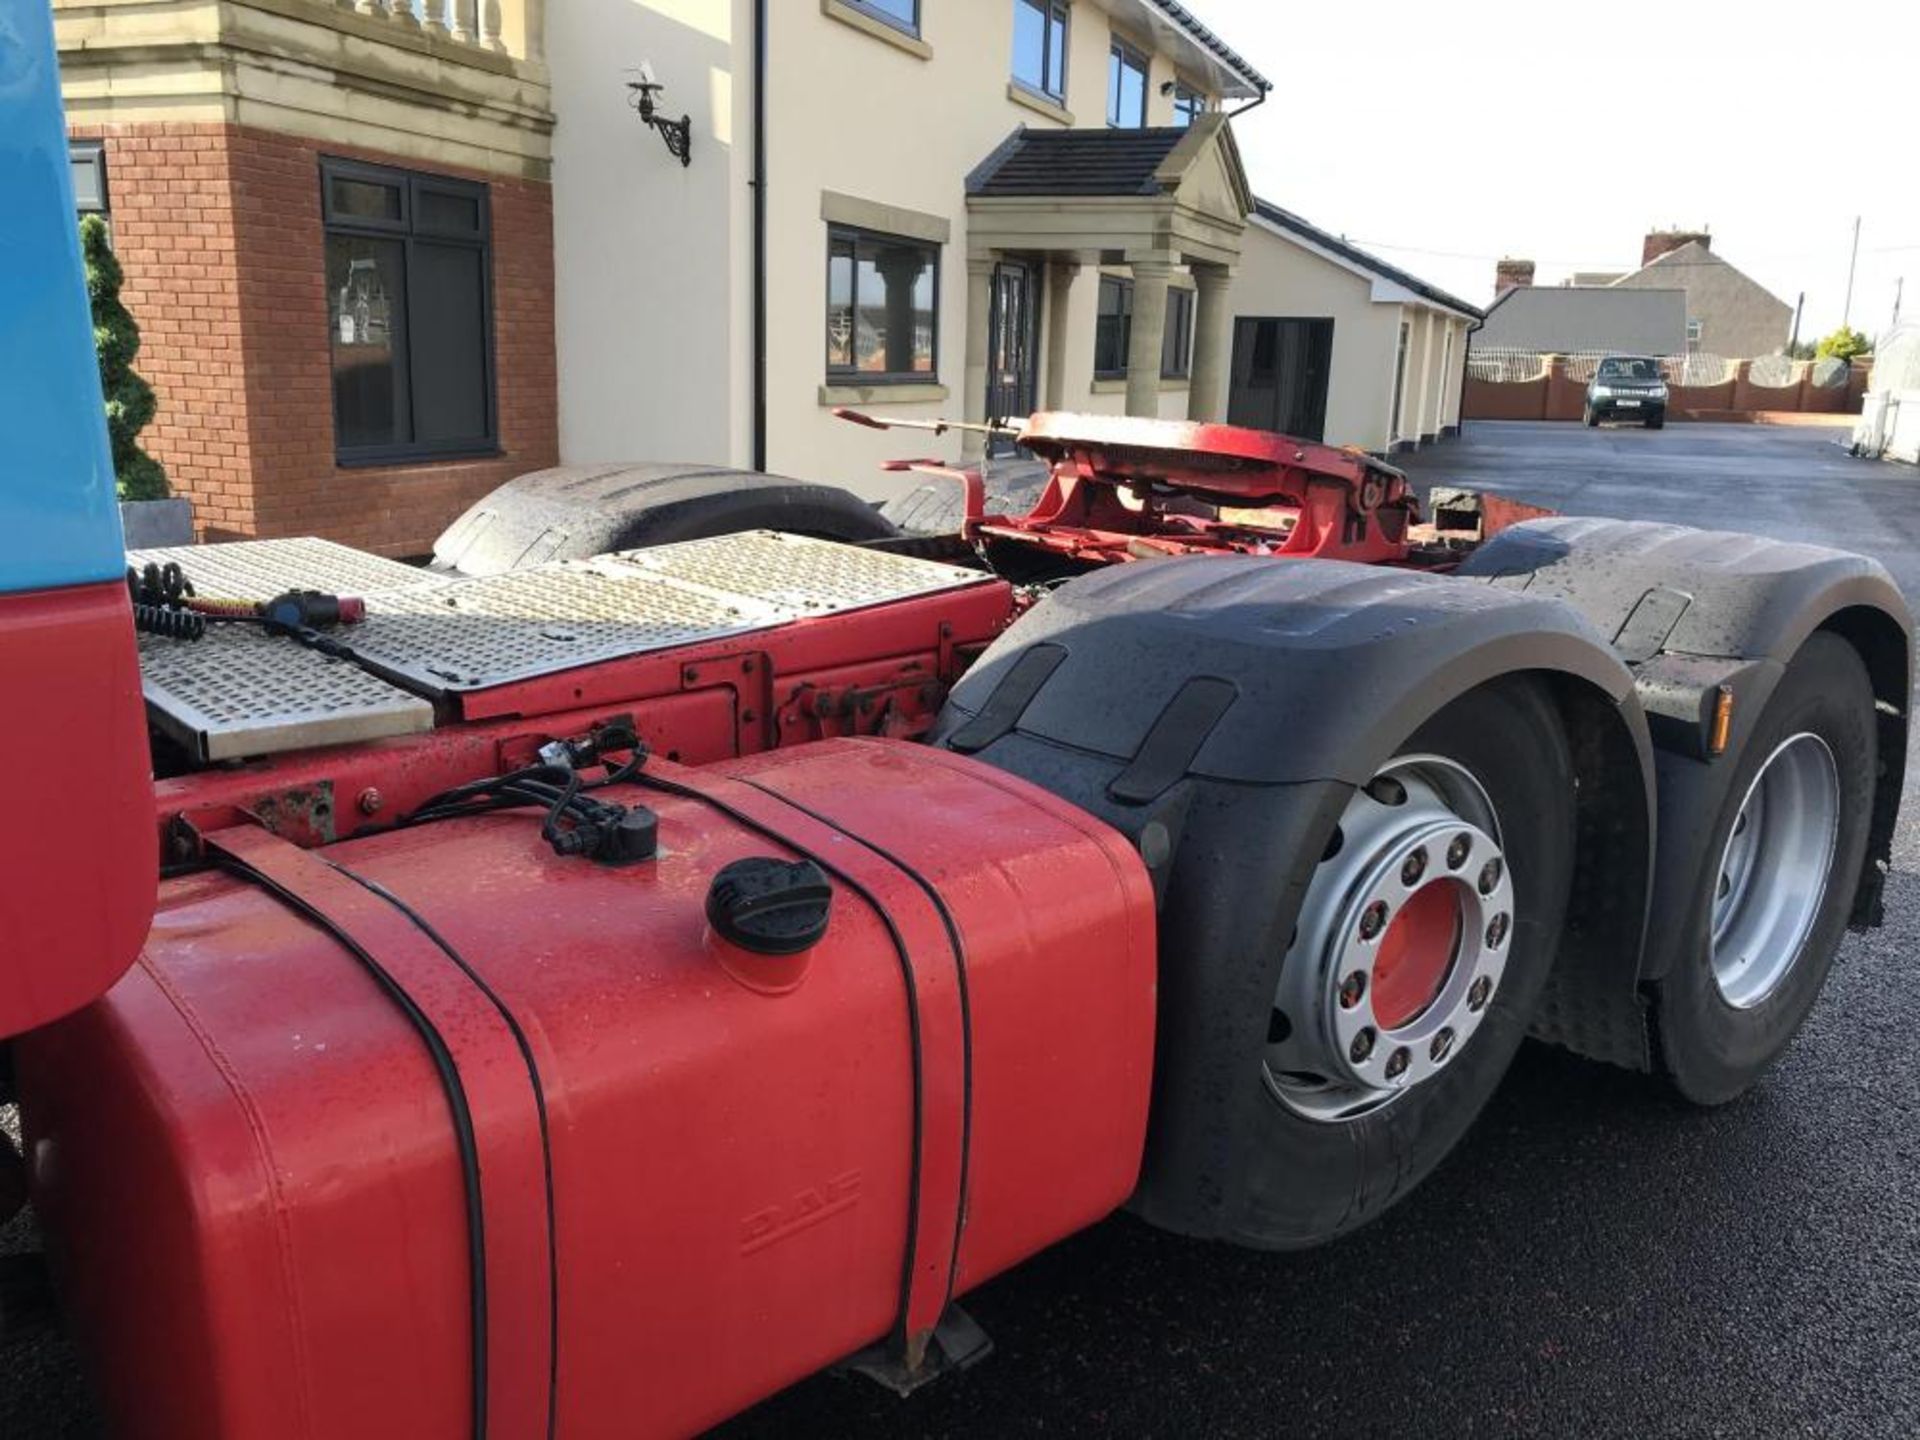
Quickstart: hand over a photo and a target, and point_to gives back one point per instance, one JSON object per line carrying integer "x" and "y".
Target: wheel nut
{"x": 1477, "y": 996}
{"x": 1413, "y": 868}
{"x": 1373, "y": 919}
{"x": 1352, "y": 988}
{"x": 1496, "y": 930}
{"x": 1457, "y": 851}
{"x": 370, "y": 801}
{"x": 1361, "y": 1047}
{"x": 1388, "y": 791}
{"x": 1489, "y": 876}
{"x": 1442, "y": 1043}
{"x": 1397, "y": 1063}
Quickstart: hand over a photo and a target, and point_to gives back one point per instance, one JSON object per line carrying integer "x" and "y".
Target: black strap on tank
{"x": 465, "y": 1143}
{"x": 540, "y": 1103}
{"x": 1009, "y": 699}
{"x": 903, "y": 956}
{"x": 1166, "y": 755}
{"x": 959, "y": 947}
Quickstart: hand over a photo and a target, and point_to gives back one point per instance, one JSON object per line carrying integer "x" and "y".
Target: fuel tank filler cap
{"x": 768, "y": 906}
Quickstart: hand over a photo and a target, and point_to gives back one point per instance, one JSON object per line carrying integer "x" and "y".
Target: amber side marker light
{"x": 1722, "y": 721}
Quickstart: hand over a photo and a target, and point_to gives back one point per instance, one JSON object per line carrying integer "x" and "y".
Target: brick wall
{"x": 219, "y": 230}
{"x": 169, "y": 186}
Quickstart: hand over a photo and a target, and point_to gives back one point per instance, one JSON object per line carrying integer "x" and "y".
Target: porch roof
{"x": 1181, "y": 192}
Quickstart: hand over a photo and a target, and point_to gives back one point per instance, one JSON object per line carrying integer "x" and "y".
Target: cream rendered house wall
{"x": 653, "y": 261}
{"x": 879, "y": 121}
{"x": 652, "y": 305}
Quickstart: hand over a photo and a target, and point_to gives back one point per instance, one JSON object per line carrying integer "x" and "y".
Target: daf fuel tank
{"x": 436, "y": 1133}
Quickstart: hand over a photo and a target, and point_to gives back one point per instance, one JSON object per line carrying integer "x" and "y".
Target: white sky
{"x": 1442, "y": 136}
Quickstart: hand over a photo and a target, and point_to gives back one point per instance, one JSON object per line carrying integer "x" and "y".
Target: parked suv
{"x": 1627, "y": 387}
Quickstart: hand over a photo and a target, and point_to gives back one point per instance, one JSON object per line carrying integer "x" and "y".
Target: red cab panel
{"x": 77, "y": 851}
{"x": 537, "y": 1155}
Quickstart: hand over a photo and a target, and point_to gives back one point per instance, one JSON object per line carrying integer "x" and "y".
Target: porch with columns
{"x": 1153, "y": 201}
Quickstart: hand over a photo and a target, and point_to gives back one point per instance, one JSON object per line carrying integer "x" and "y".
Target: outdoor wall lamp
{"x": 677, "y": 133}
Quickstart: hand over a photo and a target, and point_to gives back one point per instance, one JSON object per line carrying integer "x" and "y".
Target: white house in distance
{"x": 1331, "y": 343}
{"x": 961, "y": 208}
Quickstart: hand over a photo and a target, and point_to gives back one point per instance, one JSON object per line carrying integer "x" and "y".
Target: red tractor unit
{"x": 693, "y": 935}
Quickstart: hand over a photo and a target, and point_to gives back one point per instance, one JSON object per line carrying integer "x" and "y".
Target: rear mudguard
{"x": 574, "y": 512}
{"x": 1219, "y": 711}
{"x": 1691, "y": 611}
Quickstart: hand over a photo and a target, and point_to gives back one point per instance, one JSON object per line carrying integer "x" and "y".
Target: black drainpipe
{"x": 760, "y": 235}
{"x": 1253, "y": 104}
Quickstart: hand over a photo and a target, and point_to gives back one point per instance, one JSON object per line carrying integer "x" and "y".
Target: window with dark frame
{"x": 1040, "y": 47}
{"x": 1113, "y": 331}
{"x": 882, "y": 316}
{"x": 1126, "y": 86}
{"x": 1188, "y": 105}
{"x": 1112, "y": 328}
{"x": 1176, "y": 346}
{"x": 901, "y": 14}
{"x": 89, "y": 161}
{"x": 409, "y": 309}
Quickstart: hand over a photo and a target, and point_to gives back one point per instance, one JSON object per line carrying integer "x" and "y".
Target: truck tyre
{"x": 1656, "y": 422}
{"x": 937, "y": 507}
{"x": 1423, "y": 942}
{"x": 1791, "y": 837}
{"x": 1590, "y": 418}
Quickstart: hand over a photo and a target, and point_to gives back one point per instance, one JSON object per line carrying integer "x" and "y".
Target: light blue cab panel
{"x": 59, "y": 521}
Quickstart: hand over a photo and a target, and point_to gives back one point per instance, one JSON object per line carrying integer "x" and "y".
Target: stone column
{"x": 1062, "y": 271}
{"x": 1212, "y": 333}
{"x": 900, "y": 268}
{"x": 1151, "y": 272}
{"x": 973, "y": 401}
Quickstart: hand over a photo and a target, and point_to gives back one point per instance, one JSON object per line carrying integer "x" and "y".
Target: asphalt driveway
{"x": 1595, "y": 1260}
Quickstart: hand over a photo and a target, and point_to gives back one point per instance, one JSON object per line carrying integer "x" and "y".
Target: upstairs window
{"x": 901, "y": 14}
{"x": 1126, "y": 86}
{"x": 1113, "y": 328}
{"x": 881, "y": 321}
{"x": 1040, "y": 47}
{"x": 1188, "y": 105}
{"x": 409, "y": 313}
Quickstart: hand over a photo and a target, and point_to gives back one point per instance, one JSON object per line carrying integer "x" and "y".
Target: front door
{"x": 1011, "y": 341}
{"x": 1281, "y": 369}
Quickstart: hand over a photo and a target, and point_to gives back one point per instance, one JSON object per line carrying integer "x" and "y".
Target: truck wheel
{"x": 1656, "y": 422}
{"x": 1422, "y": 944}
{"x": 1791, "y": 837}
{"x": 1590, "y": 418}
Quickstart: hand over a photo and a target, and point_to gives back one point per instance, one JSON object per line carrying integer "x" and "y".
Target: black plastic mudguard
{"x": 1691, "y": 611}
{"x": 1219, "y": 711}
{"x": 1331, "y": 664}
{"x": 575, "y": 511}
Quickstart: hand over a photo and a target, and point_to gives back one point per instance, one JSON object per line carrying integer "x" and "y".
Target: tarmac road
{"x": 1595, "y": 1260}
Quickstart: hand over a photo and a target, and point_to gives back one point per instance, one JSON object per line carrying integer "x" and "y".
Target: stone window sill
{"x": 1118, "y": 384}
{"x": 881, "y": 394}
{"x": 1038, "y": 103}
{"x": 880, "y": 30}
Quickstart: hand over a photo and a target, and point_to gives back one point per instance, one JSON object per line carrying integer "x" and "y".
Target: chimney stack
{"x": 1659, "y": 242}
{"x": 1511, "y": 275}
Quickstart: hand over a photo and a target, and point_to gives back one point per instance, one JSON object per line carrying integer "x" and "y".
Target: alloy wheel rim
{"x": 1401, "y": 944}
{"x": 1773, "y": 870}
